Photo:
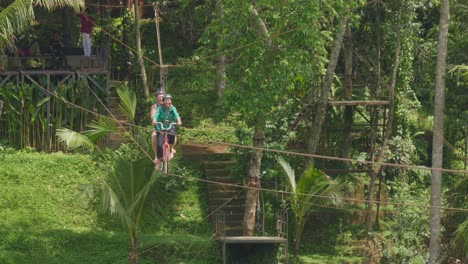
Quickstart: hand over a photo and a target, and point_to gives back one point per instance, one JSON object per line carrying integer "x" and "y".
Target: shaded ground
{"x": 203, "y": 149}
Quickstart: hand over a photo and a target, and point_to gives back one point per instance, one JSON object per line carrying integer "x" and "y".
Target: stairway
{"x": 226, "y": 198}
{"x": 115, "y": 139}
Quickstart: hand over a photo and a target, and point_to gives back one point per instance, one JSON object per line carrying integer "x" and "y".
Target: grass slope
{"x": 48, "y": 212}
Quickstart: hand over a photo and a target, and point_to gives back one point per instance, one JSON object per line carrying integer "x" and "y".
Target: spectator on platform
{"x": 87, "y": 24}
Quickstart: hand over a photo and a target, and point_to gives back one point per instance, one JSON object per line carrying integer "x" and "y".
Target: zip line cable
{"x": 242, "y": 187}
{"x": 438, "y": 134}
{"x": 271, "y": 150}
{"x": 448, "y": 209}
{"x": 252, "y": 147}
{"x": 278, "y": 151}
{"x": 417, "y": 166}
{"x": 464, "y": 210}
{"x": 127, "y": 6}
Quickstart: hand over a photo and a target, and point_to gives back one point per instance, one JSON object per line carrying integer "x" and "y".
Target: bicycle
{"x": 164, "y": 165}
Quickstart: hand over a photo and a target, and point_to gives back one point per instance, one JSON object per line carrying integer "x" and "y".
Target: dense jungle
{"x": 323, "y": 131}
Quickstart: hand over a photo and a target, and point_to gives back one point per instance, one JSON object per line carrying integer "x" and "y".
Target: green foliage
{"x": 128, "y": 103}
{"x": 313, "y": 190}
{"x": 462, "y": 236}
{"x": 207, "y": 131}
{"x": 25, "y": 112}
{"x": 405, "y": 232}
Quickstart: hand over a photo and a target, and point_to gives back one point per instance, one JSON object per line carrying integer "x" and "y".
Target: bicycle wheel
{"x": 165, "y": 163}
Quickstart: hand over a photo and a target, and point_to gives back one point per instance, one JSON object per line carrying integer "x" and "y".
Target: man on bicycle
{"x": 154, "y": 108}
{"x": 166, "y": 114}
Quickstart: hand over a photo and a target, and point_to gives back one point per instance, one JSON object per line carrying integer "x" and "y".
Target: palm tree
{"x": 130, "y": 175}
{"x": 19, "y": 15}
{"x": 311, "y": 193}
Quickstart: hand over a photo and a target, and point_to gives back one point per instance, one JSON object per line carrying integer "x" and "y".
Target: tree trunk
{"x": 126, "y": 24}
{"x": 138, "y": 47}
{"x": 254, "y": 177}
{"x": 133, "y": 256}
{"x": 322, "y": 103}
{"x": 220, "y": 75}
{"x": 437, "y": 144}
{"x": 221, "y": 62}
{"x": 388, "y": 131}
{"x": 348, "y": 92}
{"x": 258, "y": 141}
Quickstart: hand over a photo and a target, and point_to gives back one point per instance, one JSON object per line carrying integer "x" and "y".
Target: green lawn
{"x": 48, "y": 207}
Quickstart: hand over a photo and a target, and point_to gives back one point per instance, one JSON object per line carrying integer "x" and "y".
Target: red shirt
{"x": 86, "y": 23}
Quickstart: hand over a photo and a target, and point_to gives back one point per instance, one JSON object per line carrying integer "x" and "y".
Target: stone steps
{"x": 115, "y": 140}
{"x": 220, "y": 196}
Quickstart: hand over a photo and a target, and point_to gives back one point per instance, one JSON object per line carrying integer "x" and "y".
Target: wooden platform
{"x": 252, "y": 240}
{"x": 357, "y": 103}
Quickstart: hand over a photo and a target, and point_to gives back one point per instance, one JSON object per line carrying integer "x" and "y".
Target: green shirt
{"x": 166, "y": 116}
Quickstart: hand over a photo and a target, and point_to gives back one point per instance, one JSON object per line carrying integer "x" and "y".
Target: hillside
{"x": 49, "y": 215}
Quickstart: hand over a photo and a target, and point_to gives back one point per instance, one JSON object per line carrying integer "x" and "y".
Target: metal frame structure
{"x": 281, "y": 238}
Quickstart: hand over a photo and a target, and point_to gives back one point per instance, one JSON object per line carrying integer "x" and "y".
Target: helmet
{"x": 159, "y": 92}
{"x": 167, "y": 96}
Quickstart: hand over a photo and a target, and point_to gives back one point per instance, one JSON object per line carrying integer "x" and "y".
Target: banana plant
{"x": 311, "y": 193}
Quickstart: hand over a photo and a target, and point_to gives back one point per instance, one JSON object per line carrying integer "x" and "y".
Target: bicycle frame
{"x": 164, "y": 167}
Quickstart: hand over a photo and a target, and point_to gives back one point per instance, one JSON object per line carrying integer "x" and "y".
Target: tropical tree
{"x": 131, "y": 177}
{"x": 437, "y": 143}
{"x": 309, "y": 194}
{"x": 19, "y": 15}
{"x": 274, "y": 52}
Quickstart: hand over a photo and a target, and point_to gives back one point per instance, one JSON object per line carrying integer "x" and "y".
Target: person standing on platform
{"x": 87, "y": 24}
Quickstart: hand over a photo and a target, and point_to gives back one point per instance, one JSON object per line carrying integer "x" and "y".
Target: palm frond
{"x": 13, "y": 20}
{"x": 461, "y": 72}
{"x": 54, "y": 4}
{"x": 289, "y": 172}
{"x": 461, "y": 235}
{"x": 112, "y": 203}
{"x": 317, "y": 184}
{"x": 74, "y": 140}
{"x": 141, "y": 196}
{"x": 128, "y": 103}
{"x": 100, "y": 128}
{"x": 128, "y": 187}
{"x": 19, "y": 15}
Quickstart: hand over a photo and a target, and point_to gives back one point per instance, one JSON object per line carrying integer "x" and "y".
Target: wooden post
{"x": 162, "y": 67}
{"x": 48, "y": 110}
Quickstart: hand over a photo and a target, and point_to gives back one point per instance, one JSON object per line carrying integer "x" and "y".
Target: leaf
{"x": 128, "y": 103}
{"x": 42, "y": 101}
{"x": 74, "y": 140}
{"x": 289, "y": 172}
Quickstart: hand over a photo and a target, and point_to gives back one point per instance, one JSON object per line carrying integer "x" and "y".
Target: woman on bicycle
{"x": 166, "y": 114}
{"x": 154, "y": 108}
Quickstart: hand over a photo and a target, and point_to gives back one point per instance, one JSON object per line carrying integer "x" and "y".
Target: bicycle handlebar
{"x": 162, "y": 125}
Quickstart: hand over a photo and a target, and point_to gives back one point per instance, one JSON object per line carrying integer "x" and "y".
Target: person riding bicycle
{"x": 154, "y": 108}
{"x": 166, "y": 114}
